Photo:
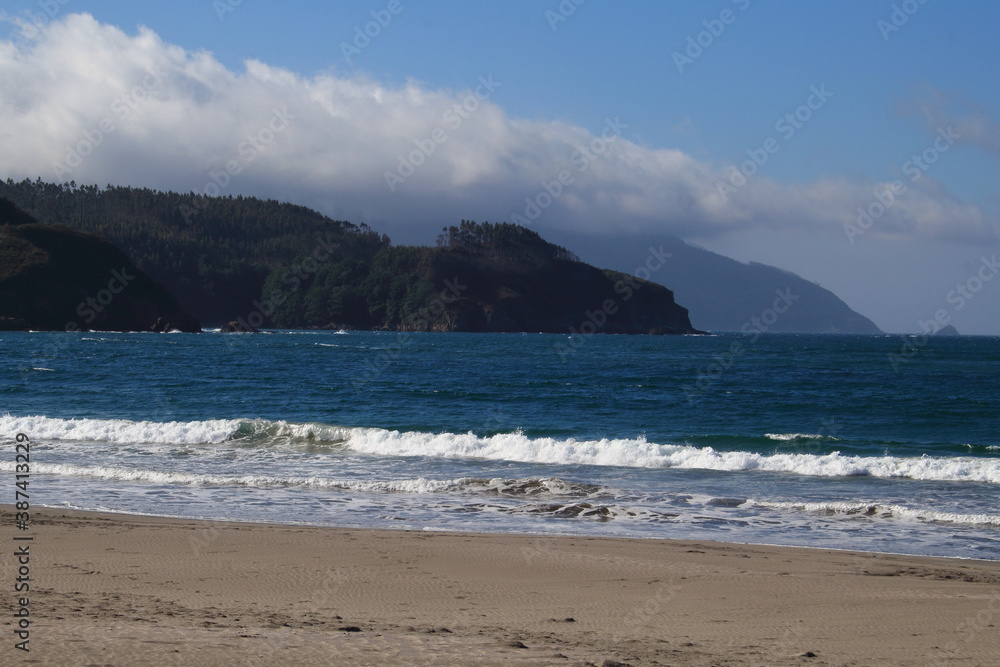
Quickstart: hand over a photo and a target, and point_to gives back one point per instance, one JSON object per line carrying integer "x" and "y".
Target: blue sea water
{"x": 874, "y": 443}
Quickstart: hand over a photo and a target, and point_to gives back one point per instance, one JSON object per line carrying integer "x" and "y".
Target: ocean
{"x": 871, "y": 443}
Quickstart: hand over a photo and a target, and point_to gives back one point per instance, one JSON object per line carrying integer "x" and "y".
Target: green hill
{"x": 271, "y": 264}
{"x": 212, "y": 253}
{"x": 480, "y": 277}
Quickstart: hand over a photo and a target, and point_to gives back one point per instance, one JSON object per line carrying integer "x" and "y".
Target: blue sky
{"x": 896, "y": 72}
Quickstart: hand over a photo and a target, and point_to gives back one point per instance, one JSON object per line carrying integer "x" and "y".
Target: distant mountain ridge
{"x": 726, "y": 294}
{"x": 723, "y": 294}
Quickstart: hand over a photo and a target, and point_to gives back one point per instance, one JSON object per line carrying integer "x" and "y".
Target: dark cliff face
{"x": 505, "y": 278}
{"x": 554, "y": 296}
{"x": 481, "y": 277}
{"x": 53, "y": 278}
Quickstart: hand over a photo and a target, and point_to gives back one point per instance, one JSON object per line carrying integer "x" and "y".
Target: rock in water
{"x": 238, "y": 326}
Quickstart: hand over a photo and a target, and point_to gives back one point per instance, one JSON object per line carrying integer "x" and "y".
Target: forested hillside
{"x": 212, "y": 253}
{"x": 265, "y": 263}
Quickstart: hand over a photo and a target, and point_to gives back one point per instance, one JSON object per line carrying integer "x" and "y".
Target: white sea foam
{"x": 419, "y": 485}
{"x": 532, "y": 487}
{"x": 643, "y": 454}
{"x": 121, "y": 430}
{"x": 525, "y": 487}
{"x": 798, "y": 436}
{"x": 636, "y": 452}
{"x": 882, "y": 510}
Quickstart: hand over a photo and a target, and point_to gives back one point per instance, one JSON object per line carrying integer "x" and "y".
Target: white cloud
{"x": 152, "y": 114}
{"x": 972, "y": 122}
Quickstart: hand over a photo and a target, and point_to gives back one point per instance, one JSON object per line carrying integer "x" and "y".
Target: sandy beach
{"x": 113, "y": 589}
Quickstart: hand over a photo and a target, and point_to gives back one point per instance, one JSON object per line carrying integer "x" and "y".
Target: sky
{"x": 856, "y": 143}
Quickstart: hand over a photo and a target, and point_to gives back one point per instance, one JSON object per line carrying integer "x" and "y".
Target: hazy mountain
{"x": 723, "y": 294}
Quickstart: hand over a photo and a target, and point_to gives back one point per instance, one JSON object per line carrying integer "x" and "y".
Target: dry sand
{"x": 123, "y": 590}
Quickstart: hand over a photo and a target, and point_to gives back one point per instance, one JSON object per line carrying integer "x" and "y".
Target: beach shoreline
{"x": 123, "y": 589}
{"x": 543, "y": 536}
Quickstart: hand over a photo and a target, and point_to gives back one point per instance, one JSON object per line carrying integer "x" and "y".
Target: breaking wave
{"x": 515, "y": 446}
